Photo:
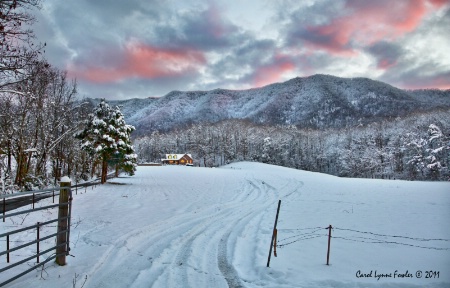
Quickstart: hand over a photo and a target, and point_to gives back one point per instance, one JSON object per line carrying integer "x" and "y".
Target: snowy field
{"x": 202, "y": 227}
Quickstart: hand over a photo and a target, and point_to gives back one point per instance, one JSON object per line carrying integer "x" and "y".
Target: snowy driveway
{"x": 186, "y": 228}
{"x": 201, "y": 227}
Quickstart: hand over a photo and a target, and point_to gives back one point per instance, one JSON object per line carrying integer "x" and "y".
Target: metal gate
{"x": 11, "y": 243}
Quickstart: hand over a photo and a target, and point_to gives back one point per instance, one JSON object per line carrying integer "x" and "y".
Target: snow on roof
{"x": 175, "y": 156}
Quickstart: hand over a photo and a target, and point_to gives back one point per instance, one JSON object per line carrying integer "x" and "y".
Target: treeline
{"x": 41, "y": 117}
{"x": 49, "y": 133}
{"x": 37, "y": 121}
{"x": 416, "y": 147}
{"x": 37, "y": 110}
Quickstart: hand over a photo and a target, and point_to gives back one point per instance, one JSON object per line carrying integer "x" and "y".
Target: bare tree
{"x": 17, "y": 50}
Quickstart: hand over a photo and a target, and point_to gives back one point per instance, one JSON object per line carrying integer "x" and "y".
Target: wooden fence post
{"x": 329, "y": 240}
{"x": 273, "y": 233}
{"x": 275, "y": 243}
{"x": 63, "y": 212}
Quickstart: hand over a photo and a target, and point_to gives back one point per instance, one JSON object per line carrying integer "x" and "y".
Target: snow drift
{"x": 201, "y": 227}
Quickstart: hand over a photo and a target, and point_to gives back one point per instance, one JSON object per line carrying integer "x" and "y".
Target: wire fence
{"x": 367, "y": 237}
{"x": 347, "y": 234}
{"x": 300, "y": 236}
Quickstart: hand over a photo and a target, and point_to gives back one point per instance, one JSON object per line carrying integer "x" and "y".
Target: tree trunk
{"x": 40, "y": 165}
{"x": 117, "y": 171}
{"x": 104, "y": 171}
{"x": 56, "y": 170}
{"x": 94, "y": 164}
{"x": 21, "y": 168}
{"x": 8, "y": 166}
{"x": 27, "y": 167}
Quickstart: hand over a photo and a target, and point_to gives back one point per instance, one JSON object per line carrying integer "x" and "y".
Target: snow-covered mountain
{"x": 317, "y": 101}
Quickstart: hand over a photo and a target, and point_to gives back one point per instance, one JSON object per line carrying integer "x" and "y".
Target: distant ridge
{"x": 317, "y": 101}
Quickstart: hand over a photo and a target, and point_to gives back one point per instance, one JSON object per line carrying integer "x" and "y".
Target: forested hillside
{"x": 318, "y": 101}
{"x": 413, "y": 147}
{"x": 342, "y": 126}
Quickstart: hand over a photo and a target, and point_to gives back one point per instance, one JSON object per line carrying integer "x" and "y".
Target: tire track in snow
{"x": 203, "y": 235}
{"x": 227, "y": 245}
{"x": 215, "y": 238}
{"x": 193, "y": 246}
{"x": 140, "y": 244}
{"x": 225, "y": 267}
{"x": 239, "y": 223}
{"x": 180, "y": 225}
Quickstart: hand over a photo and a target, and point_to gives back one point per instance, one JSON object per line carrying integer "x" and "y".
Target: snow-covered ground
{"x": 201, "y": 227}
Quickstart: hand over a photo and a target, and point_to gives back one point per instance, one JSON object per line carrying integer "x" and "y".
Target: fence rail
{"x": 61, "y": 248}
{"x": 14, "y": 201}
{"x": 20, "y": 199}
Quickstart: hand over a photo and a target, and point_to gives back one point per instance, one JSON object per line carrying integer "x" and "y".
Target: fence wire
{"x": 304, "y": 235}
{"x": 299, "y": 236}
{"x": 393, "y": 236}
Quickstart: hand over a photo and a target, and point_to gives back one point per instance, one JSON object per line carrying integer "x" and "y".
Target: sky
{"x": 137, "y": 49}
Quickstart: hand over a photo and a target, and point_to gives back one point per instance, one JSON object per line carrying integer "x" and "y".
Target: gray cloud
{"x": 386, "y": 53}
{"x": 248, "y": 56}
{"x": 96, "y": 34}
{"x": 295, "y": 22}
{"x": 422, "y": 57}
{"x": 422, "y": 77}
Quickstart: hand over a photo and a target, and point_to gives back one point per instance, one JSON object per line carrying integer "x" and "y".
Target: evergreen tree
{"x": 266, "y": 150}
{"x": 106, "y": 137}
{"x": 430, "y": 153}
{"x": 438, "y": 146}
{"x": 124, "y": 156}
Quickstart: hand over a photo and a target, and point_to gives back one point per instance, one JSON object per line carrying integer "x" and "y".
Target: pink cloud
{"x": 385, "y": 64}
{"x": 216, "y": 22}
{"x": 143, "y": 61}
{"x": 333, "y": 38}
{"x": 439, "y": 82}
{"x": 366, "y": 22}
{"x": 273, "y": 72}
{"x": 439, "y": 3}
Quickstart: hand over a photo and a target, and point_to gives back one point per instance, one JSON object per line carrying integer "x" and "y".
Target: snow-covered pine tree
{"x": 430, "y": 153}
{"x": 438, "y": 147}
{"x": 266, "y": 150}
{"x": 124, "y": 158}
{"x": 106, "y": 137}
